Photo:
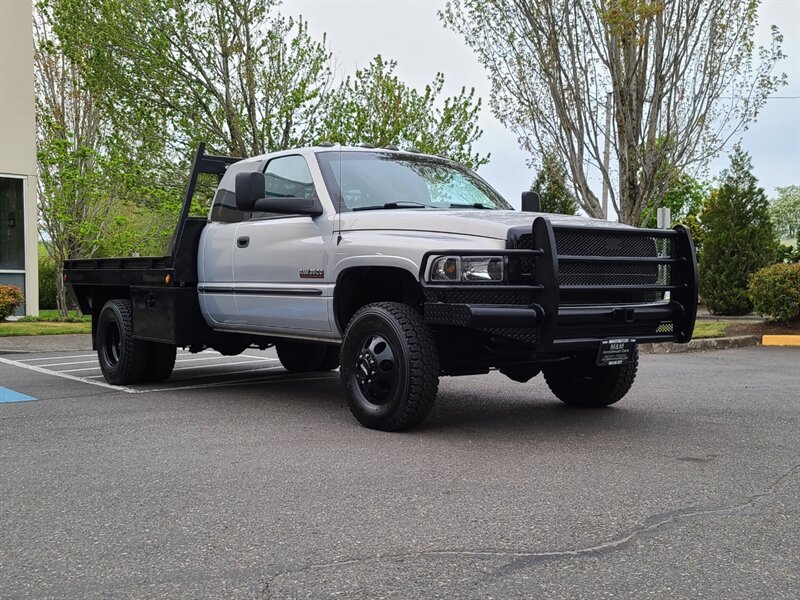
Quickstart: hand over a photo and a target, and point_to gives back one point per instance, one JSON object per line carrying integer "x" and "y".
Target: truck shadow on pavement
{"x": 524, "y": 410}
{"x": 519, "y": 411}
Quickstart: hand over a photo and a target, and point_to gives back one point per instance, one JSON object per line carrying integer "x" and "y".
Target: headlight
{"x": 467, "y": 268}
{"x": 446, "y": 268}
{"x": 482, "y": 268}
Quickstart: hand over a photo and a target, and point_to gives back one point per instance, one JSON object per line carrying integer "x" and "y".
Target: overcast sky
{"x": 410, "y": 32}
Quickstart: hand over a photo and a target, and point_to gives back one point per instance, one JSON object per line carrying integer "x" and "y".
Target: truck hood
{"x": 481, "y": 223}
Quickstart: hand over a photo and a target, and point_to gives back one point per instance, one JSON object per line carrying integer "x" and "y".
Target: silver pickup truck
{"x": 399, "y": 268}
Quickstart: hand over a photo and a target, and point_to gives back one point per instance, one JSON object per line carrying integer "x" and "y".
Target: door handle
{"x": 243, "y": 241}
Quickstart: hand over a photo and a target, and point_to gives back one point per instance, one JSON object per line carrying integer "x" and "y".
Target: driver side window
{"x": 287, "y": 177}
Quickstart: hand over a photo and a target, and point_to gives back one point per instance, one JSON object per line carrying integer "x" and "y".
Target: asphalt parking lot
{"x": 236, "y": 480}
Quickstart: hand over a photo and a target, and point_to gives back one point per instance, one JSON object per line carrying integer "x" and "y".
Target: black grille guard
{"x": 556, "y": 324}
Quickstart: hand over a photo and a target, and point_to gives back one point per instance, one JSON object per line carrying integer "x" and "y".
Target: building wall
{"x": 18, "y": 130}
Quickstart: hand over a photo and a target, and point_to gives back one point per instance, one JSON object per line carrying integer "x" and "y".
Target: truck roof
{"x": 312, "y": 150}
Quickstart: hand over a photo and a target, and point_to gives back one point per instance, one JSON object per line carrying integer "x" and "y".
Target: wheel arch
{"x": 358, "y": 286}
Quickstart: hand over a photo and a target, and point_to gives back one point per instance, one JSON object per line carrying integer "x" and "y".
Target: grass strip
{"x": 42, "y": 328}
{"x": 710, "y": 329}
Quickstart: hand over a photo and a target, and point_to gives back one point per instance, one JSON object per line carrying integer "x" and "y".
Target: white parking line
{"x": 218, "y": 356}
{"x": 215, "y": 374}
{"x": 222, "y": 364}
{"x": 76, "y": 362}
{"x": 38, "y": 369}
{"x": 194, "y": 358}
{"x": 225, "y": 364}
{"x": 239, "y": 372}
{"x": 240, "y": 382}
{"x": 27, "y": 360}
{"x": 227, "y": 378}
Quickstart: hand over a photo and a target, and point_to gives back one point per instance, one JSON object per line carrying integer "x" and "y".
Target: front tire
{"x": 390, "y": 367}
{"x": 123, "y": 359}
{"x": 579, "y": 382}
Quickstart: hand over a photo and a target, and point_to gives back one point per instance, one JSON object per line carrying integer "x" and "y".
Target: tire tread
{"x": 133, "y": 355}
{"x": 423, "y": 367}
{"x": 600, "y": 392}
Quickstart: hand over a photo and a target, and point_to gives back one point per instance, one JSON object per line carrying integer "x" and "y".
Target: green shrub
{"x": 739, "y": 238}
{"x": 11, "y": 298}
{"x": 48, "y": 290}
{"x": 775, "y": 292}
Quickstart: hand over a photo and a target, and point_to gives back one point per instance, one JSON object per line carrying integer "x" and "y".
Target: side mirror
{"x": 251, "y": 196}
{"x": 289, "y": 206}
{"x": 531, "y": 202}
{"x": 249, "y": 187}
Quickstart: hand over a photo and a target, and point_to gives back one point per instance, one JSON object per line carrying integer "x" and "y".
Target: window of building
{"x": 12, "y": 224}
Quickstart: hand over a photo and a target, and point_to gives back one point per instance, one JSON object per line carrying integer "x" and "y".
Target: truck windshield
{"x": 382, "y": 180}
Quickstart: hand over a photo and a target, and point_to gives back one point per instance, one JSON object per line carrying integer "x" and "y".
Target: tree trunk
{"x": 61, "y": 292}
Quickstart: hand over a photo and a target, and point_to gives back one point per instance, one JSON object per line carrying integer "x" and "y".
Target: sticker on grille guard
{"x": 615, "y": 352}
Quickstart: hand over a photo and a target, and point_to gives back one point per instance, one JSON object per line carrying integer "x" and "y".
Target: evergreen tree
{"x": 551, "y": 185}
{"x": 739, "y": 238}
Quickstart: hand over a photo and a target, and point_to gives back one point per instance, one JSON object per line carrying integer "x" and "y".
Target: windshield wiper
{"x": 473, "y": 205}
{"x": 399, "y": 204}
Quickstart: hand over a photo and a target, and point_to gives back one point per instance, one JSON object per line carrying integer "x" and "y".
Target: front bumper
{"x": 582, "y": 296}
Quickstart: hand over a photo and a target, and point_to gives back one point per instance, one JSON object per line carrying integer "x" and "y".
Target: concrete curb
{"x": 702, "y": 345}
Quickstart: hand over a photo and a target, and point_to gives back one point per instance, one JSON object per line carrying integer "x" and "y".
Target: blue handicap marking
{"x": 7, "y": 395}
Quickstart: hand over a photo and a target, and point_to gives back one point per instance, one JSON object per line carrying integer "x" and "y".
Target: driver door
{"x": 279, "y": 260}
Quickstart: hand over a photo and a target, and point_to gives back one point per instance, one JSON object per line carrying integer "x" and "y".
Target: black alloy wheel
{"x": 376, "y": 371}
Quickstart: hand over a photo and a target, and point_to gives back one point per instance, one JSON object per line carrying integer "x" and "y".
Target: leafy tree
{"x": 240, "y": 76}
{"x": 47, "y": 280}
{"x": 739, "y": 238}
{"x": 693, "y": 222}
{"x": 666, "y": 70}
{"x": 685, "y": 196}
{"x": 785, "y": 211}
{"x": 375, "y": 107}
{"x": 87, "y": 174}
{"x": 551, "y": 185}
{"x": 232, "y": 72}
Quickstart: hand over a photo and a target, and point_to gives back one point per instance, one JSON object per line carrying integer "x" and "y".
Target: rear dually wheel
{"x": 123, "y": 359}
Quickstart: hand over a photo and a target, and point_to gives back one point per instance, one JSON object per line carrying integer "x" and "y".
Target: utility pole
{"x": 606, "y": 155}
